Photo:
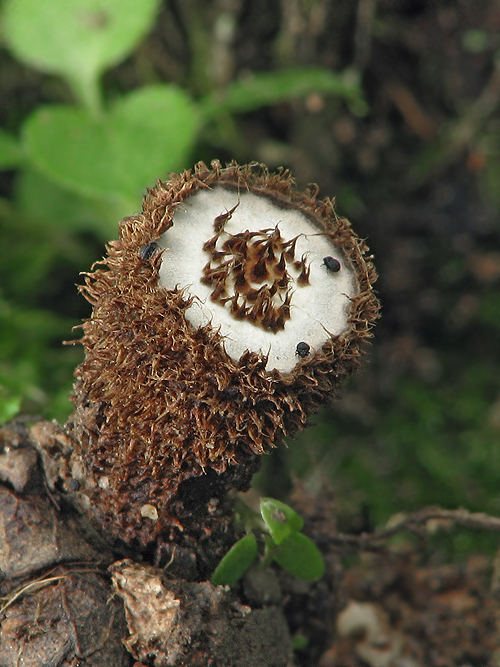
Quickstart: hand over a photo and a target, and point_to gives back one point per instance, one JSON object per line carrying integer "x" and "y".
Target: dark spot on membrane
{"x": 331, "y": 264}
{"x": 302, "y": 350}
{"x": 148, "y": 250}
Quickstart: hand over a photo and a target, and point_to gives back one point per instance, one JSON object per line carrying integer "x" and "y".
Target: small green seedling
{"x": 280, "y": 519}
{"x": 283, "y": 543}
{"x": 236, "y": 562}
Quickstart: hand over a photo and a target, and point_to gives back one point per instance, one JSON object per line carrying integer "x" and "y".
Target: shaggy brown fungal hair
{"x": 159, "y": 402}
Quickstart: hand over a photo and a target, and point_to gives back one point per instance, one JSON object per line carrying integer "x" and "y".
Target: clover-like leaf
{"x": 236, "y": 562}
{"x": 146, "y": 134}
{"x": 76, "y": 39}
{"x": 280, "y": 519}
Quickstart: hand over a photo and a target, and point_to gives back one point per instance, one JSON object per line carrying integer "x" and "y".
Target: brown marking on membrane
{"x": 273, "y": 289}
{"x": 240, "y": 282}
{"x": 221, "y": 219}
{"x": 239, "y": 310}
{"x": 259, "y": 271}
{"x": 236, "y": 244}
{"x": 219, "y": 291}
{"x": 289, "y": 248}
{"x": 250, "y": 273}
{"x": 252, "y": 295}
{"x": 211, "y": 243}
{"x": 270, "y": 254}
{"x": 214, "y": 275}
{"x": 280, "y": 267}
{"x": 305, "y": 272}
{"x": 283, "y": 281}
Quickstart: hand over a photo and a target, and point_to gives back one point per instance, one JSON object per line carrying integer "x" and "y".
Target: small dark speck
{"x": 74, "y": 485}
{"x": 96, "y": 20}
{"x": 331, "y": 264}
{"x": 148, "y": 250}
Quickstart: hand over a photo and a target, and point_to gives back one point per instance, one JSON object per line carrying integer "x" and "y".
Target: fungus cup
{"x": 227, "y": 312}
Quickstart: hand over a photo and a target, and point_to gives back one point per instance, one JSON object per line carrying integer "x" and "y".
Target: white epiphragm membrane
{"x": 317, "y": 309}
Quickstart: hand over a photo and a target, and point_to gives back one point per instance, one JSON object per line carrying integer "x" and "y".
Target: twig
{"x": 462, "y": 133}
{"x": 363, "y": 34}
{"x": 415, "y": 523}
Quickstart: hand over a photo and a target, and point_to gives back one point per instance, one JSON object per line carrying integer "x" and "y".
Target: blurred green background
{"x": 391, "y": 107}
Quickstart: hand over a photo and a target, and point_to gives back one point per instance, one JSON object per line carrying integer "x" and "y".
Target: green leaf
{"x": 31, "y": 366}
{"x": 58, "y": 209}
{"x": 9, "y": 407}
{"x": 146, "y": 135}
{"x": 299, "y": 642}
{"x": 280, "y": 519}
{"x": 301, "y": 557}
{"x": 267, "y": 88}
{"x": 77, "y": 39}
{"x": 236, "y": 562}
{"x": 11, "y": 153}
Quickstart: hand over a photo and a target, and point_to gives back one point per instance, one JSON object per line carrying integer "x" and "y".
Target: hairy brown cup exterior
{"x": 159, "y": 402}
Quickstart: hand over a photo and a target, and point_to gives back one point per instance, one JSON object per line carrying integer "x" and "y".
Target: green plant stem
{"x": 87, "y": 91}
{"x": 270, "y": 550}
